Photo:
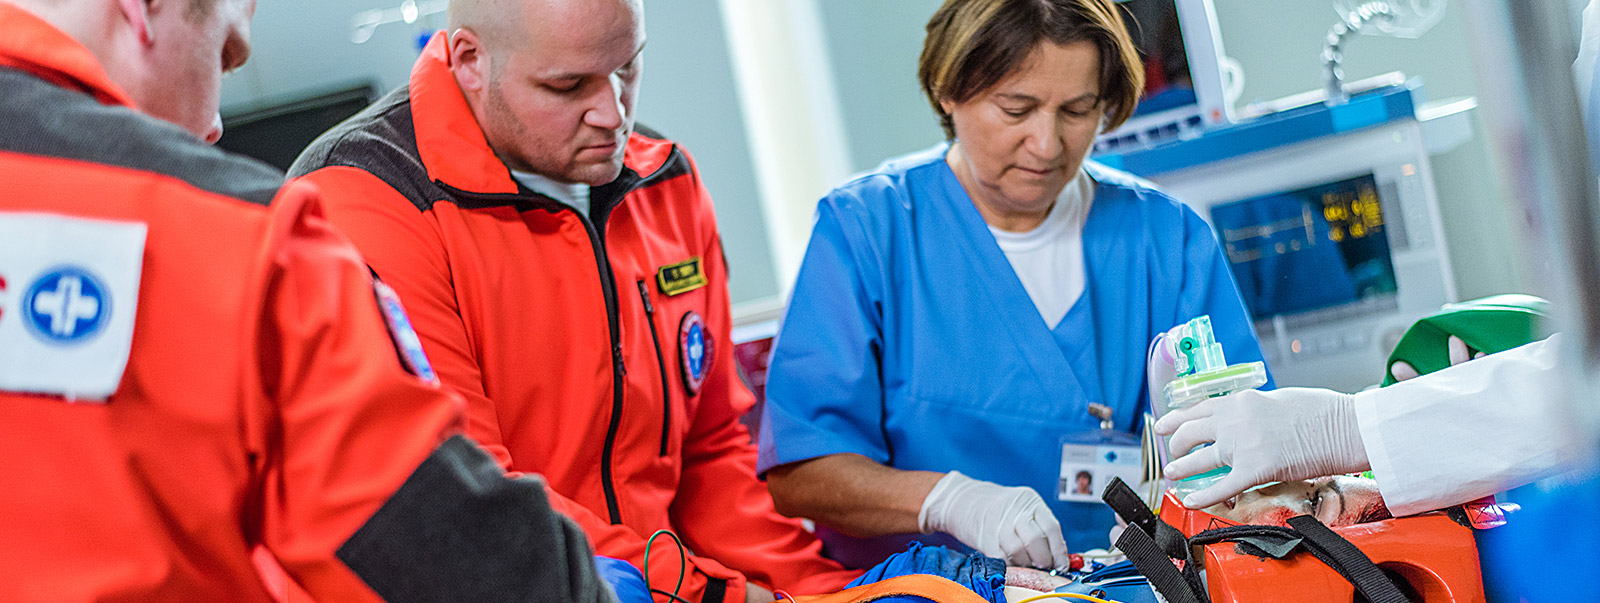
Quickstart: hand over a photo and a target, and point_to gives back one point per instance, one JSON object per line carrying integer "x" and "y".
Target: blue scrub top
{"x": 911, "y": 341}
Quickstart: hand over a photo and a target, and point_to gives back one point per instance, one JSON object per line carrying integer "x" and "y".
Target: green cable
{"x": 683, "y": 563}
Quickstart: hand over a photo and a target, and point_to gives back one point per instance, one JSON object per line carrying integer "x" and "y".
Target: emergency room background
{"x": 780, "y": 100}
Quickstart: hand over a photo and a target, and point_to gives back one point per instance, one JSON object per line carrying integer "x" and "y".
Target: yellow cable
{"x": 1065, "y": 596}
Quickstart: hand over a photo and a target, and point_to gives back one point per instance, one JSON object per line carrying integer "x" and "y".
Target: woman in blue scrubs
{"x": 960, "y": 309}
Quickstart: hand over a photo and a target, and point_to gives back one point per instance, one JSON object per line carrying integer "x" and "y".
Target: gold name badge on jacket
{"x": 681, "y": 277}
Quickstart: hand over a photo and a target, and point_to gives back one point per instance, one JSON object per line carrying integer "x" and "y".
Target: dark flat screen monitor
{"x": 1306, "y": 249}
{"x": 1158, "y": 34}
{"x": 278, "y": 134}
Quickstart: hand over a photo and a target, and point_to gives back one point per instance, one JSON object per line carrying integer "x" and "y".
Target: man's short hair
{"x": 973, "y": 44}
{"x": 497, "y": 22}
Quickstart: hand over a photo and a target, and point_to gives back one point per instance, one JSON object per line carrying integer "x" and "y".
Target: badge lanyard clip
{"x": 1102, "y": 412}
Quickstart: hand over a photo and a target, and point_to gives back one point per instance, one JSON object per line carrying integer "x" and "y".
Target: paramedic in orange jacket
{"x": 565, "y": 273}
{"x": 193, "y": 382}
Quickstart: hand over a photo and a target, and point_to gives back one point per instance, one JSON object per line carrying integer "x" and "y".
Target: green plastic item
{"x": 1489, "y": 325}
{"x": 1185, "y": 391}
{"x": 1198, "y": 350}
{"x": 1203, "y": 372}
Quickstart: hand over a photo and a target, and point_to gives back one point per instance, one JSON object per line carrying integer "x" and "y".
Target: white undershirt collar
{"x": 575, "y": 196}
{"x": 1049, "y": 259}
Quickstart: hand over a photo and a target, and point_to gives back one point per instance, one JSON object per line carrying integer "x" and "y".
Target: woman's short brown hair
{"x": 973, "y": 44}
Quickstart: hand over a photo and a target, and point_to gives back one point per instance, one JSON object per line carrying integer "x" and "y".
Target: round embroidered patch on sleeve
{"x": 694, "y": 351}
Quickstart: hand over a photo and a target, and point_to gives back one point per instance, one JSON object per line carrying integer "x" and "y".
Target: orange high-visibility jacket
{"x": 594, "y": 352}
{"x": 264, "y": 407}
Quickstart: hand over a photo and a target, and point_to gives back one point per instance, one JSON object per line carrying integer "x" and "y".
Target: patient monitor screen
{"x": 1156, "y": 31}
{"x": 1310, "y": 248}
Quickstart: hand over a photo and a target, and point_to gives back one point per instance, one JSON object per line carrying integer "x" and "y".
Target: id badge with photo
{"x": 1090, "y": 460}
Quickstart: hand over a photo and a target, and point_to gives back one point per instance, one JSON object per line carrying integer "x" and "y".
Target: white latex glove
{"x": 1012, "y": 524}
{"x": 1288, "y": 434}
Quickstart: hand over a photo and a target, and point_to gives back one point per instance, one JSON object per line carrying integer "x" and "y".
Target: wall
{"x": 302, "y": 47}
{"x": 875, "y": 45}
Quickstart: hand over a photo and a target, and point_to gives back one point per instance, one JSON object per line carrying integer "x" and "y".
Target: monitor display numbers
{"x": 1352, "y": 214}
{"x": 1306, "y": 249}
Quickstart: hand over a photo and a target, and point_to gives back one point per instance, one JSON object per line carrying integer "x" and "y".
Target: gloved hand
{"x": 625, "y": 580}
{"x": 1459, "y": 353}
{"x": 1012, "y": 524}
{"x": 1288, "y": 434}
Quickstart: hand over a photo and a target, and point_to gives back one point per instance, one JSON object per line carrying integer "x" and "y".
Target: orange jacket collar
{"x": 32, "y": 44}
{"x": 449, "y": 140}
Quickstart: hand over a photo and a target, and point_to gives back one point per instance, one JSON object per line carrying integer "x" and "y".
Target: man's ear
{"x": 137, "y": 14}
{"x": 468, "y": 61}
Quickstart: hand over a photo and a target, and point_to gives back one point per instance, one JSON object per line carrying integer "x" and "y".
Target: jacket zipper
{"x": 608, "y": 287}
{"x": 661, "y": 366}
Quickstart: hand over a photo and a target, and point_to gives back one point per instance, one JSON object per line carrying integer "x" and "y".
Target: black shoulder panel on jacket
{"x": 647, "y": 131}
{"x": 43, "y": 119}
{"x": 380, "y": 140}
{"x": 460, "y": 530}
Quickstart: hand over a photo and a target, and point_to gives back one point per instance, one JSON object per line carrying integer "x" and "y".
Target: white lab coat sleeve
{"x": 1469, "y": 431}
